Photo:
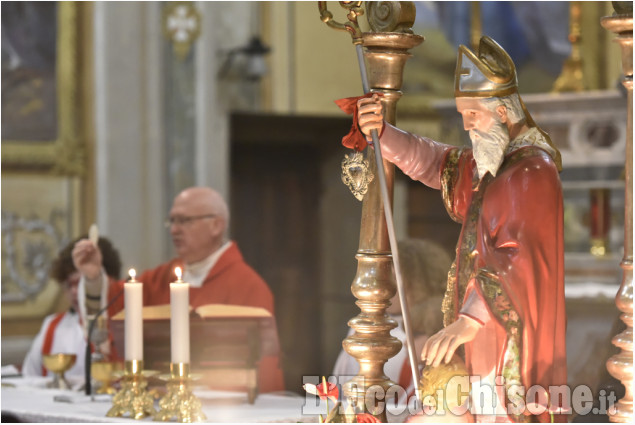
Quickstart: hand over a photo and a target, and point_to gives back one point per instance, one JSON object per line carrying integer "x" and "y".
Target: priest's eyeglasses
{"x": 184, "y": 220}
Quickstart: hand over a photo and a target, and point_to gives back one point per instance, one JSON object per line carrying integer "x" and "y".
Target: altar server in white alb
{"x": 65, "y": 332}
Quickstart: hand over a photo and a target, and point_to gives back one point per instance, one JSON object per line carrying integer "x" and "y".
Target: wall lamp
{"x": 253, "y": 65}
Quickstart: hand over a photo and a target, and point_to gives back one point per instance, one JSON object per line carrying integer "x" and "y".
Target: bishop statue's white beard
{"x": 489, "y": 148}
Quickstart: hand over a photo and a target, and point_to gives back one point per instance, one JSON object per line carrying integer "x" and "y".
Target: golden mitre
{"x": 490, "y": 74}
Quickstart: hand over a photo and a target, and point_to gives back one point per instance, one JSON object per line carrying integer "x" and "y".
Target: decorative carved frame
{"x": 66, "y": 154}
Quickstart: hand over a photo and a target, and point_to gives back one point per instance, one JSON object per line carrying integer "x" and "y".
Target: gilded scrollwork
{"x": 391, "y": 16}
{"x": 351, "y": 26}
{"x": 356, "y": 174}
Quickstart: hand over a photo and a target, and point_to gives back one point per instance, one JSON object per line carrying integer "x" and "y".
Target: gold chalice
{"x": 102, "y": 371}
{"x": 58, "y": 364}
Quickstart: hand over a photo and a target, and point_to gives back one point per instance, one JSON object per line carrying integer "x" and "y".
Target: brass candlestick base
{"x": 179, "y": 401}
{"x": 133, "y": 396}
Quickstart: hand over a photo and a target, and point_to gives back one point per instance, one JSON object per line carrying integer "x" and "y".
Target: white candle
{"x": 133, "y": 322}
{"x": 180, "y": 319}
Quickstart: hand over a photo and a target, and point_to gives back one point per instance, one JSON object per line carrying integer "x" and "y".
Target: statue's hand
{"x": 370, "y": 116}
{"x": 443, "y": 344}
{"x": 87, "y": 259}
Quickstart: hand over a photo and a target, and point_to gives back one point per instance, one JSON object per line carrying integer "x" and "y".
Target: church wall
{"x": 153, "y": 139}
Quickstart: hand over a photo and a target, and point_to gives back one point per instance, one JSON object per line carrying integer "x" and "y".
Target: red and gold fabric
{"x": 510, "y": 253}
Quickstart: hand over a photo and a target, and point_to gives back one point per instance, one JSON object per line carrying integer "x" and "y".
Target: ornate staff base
{"x": 179, "y": 401}
{"x": 133, "y": 396}
{"x": 621, "y": 365}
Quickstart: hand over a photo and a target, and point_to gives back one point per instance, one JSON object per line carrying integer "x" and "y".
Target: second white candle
{"x": 180, "y": 321}
{"x": 133, "y": 320}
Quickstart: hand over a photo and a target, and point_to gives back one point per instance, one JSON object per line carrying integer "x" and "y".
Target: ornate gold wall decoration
{"x": 182, "y": 26}
{"x": 29, "y": 245}
{"x": 65, "y": 153}
{"x": 37, "y": 216}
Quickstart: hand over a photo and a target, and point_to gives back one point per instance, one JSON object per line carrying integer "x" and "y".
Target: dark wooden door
{"x": 275, "y": 195}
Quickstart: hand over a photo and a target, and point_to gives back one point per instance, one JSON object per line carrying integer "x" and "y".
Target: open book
{"x": 227, "y": 342}
{"x": 208, "y": 311}
{"x": 211, "y": 322}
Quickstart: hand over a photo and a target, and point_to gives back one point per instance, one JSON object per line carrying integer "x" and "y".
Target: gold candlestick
{"x": 621, "y": 364}
{"x": 571, "y": 77}
{"x": 179, "y": 400}
{"x": 476, "y": 25}
{"x": 133, "y": 396}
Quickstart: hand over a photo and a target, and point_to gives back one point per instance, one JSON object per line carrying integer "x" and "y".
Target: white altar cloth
{"x": 36, "y": 404}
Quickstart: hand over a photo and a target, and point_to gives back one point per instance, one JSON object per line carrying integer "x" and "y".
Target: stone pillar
{"x": 621, "y": 365}
{"x": 386, "y": 52}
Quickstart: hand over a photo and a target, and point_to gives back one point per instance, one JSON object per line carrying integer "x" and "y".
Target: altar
{"x": 28, "y": 400}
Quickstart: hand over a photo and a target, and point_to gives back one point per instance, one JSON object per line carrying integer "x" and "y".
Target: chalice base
{"x": 106, "y": 388}
{"x": 59, "y": 382}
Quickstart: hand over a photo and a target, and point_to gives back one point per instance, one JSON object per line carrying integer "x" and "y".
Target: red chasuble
{"x": 510, "y": 254}
{"x": 230, "y": 281}
{"x": 509, "y": 257}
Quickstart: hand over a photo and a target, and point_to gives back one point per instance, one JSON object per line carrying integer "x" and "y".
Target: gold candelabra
{"x": 386, "y": 52}
{"x": 476, "y": 25}
{"x": 571, "y": 78}
{"x": 179, "y": 401}
{"x": 133, "y": 397}
{"x": 621, "y": 364}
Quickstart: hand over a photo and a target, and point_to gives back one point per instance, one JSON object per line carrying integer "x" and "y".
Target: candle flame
{"x": 132, "y": 273}
{"x": 177, "y": 272}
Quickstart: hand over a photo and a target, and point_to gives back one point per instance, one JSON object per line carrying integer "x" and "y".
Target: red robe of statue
{"x": 230, "y": 281}
{"x": 509, "y": 267}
